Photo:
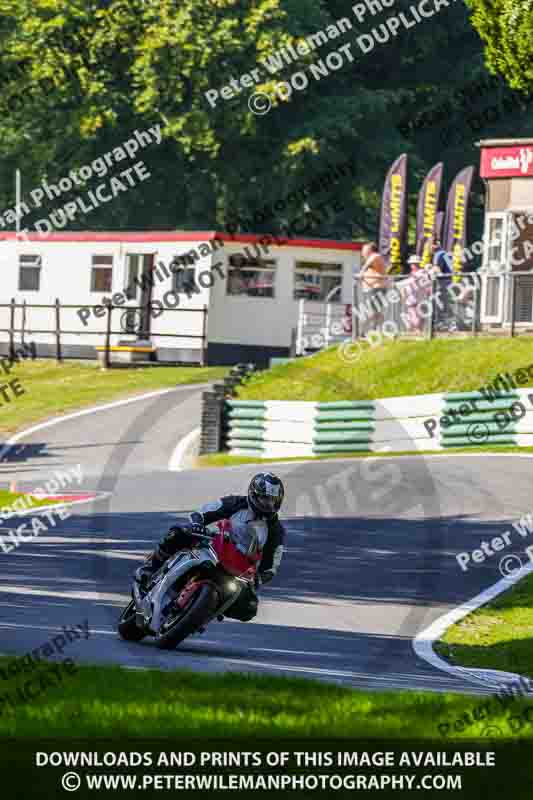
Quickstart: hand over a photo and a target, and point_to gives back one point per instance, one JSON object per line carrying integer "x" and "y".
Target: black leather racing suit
{"x": 236, "y": 509}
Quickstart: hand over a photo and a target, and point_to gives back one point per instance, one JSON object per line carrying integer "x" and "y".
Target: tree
{"x": 80, "y": 77}
{"x": 506, "y": 27}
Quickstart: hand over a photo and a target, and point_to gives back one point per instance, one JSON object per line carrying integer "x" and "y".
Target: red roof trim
{"x": 172, "y": 236}
{"x": 112, "y": 236}
{"x": 324, "y": 244}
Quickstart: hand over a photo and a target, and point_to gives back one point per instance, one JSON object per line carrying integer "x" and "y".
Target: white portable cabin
{"x": 212, "y": 297}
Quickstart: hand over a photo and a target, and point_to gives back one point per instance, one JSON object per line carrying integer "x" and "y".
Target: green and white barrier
{"x": 278, "y": 429}
{"x": 469, "y": 418}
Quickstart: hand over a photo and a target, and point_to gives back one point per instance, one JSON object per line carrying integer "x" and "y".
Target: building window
{"x": 317, "y": 281}
{"x": 495, "y": 245}
{"x": 251, "y": 277}
{"x": 102, "y": 274}
{"x": 183, "y": 280}
{"x": 29, "y": 273}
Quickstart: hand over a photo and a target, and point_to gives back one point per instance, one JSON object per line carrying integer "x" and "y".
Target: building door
{"x": 521, "y": 265}
{"x": 495, "y": 258}
{"x": 139, "y": 286}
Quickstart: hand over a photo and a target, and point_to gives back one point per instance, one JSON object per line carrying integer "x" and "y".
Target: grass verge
{"x": 111, "y": 701}
{"x": 8, "y": 498}
{"x": 497, "y": 636}
{"x": 394, "y": 369}
{"x": 51, "y": 389}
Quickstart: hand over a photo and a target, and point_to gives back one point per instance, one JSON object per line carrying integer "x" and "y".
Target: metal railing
{"x": 140, "y": 330}
{"x": 418, "y": 305}
{"x": 321, "y": 324}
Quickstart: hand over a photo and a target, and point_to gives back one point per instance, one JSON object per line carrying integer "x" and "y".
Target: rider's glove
{"x": 197, "y": 529}
{"x": 266, "y": 576}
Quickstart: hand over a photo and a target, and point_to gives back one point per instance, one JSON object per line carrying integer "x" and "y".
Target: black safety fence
{"x": 67, "y": 321}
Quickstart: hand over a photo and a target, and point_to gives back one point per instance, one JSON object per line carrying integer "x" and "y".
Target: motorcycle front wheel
{"x": 182, "y": 622}
{"x": 127, "y": 627}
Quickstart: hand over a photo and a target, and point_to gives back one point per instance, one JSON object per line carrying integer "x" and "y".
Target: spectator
{"x": 373, "y": 280}
{"x": 441, "y": 258}
{"x": 347, "y": 319}
{"x": 443, "y": 271}
{"x": 416, "y": 291}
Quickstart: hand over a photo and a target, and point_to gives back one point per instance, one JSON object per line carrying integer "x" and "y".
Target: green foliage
{"x": 79, "y": 78}
{"x": 506, "y": 27}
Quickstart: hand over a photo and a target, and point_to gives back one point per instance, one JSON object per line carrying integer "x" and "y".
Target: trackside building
{"x": 507, "y": 269}
{"x": 192, "y": 295}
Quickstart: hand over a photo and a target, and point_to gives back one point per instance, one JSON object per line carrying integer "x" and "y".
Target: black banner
{"x": 426, "y": 214}
{"x": 455, "y": 225}
{"x": 393, "y": 219}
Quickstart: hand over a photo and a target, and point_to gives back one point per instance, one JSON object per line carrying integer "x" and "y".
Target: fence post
{"x": 355, "y": 304}
{"x": 432, "y": 307}
{"x": 58, "y": 332}
{"x": 23, "y": 324}
{"x": 203, "y": 359}
{"x": 12, "y": 330}
{"x": 513, "y": 303}
{"x": 107, "y": 337}
{"x": 299, "y": 330}
{"x": 294, "y": 339}
{"x": 475, "y": 302}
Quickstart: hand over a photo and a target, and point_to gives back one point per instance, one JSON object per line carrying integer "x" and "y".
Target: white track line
{"x": 178, "y": 456}
{"x": 92, "y": 410}
{"x": 423, "y": 641}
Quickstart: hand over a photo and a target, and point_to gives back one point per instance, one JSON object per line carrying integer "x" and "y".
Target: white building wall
{"x": 265, "y": 321}
{"x": 66, "y": 274}
{"x": 189, "y": 317}
{"x": 238, "y": 320}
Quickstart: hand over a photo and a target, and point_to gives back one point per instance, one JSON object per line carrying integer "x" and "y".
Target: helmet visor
{"x": 267, "y": 504}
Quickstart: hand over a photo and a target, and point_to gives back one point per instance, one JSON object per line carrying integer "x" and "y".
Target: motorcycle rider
{"x": 263, "y": 502}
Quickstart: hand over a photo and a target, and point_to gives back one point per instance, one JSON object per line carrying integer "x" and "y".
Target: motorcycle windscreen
{"x": 244, "y": 547}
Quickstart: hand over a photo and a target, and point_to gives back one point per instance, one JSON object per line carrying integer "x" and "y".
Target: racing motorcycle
{"x": 196, "y": 585}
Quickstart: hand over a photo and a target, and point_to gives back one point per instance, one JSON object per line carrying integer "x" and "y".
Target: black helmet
{"x": 265, "y": 494}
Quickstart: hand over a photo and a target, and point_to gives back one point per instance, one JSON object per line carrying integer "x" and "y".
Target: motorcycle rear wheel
{"x": 127, "y": 627}
{"x": 202, "y": 605}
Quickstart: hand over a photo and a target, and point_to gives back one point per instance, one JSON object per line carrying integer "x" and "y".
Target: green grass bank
{"x": 498, "y": 635}
{"x": 394, "y": 369}
{"x": 51, "y": 389}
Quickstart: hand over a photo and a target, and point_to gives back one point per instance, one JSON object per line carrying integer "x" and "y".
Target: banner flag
{"x": 426, "y": 214}
{"x": 439, "y": 232}
{"x": 456, "y": 218}
{"x": 393, "y": 218}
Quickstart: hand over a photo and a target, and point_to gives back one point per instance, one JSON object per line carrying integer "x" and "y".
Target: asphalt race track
{"x": 370, "y": 558}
